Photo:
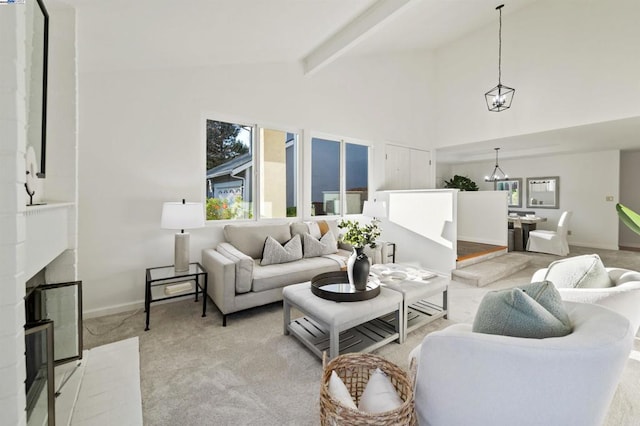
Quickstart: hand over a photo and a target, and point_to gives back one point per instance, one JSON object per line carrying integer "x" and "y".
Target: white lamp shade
{"x": 377, "y": 209}
{"x": 182, "y": 215}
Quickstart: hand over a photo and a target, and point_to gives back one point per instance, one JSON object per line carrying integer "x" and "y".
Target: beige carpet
{"x": 195, "y": 372}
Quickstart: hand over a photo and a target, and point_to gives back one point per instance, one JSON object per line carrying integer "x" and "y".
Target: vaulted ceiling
{"x": 169, "y": 33}
{"x": 313, "y": 33}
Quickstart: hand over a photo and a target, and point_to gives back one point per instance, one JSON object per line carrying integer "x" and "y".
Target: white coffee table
{"x": 416, "y": 286}
{"x": 342, "y": 327}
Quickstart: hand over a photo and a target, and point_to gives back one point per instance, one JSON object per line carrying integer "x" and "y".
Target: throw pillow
{"x": 314, "y": 229}
{"x": 339, "y": 391}
{"x": 323, "y": 227}
{"x": 314, "y": 248}
{"x": 379, "y": 395}
{"x": 274, "y": 252}
{"x": 299, "y": 228}
{"x": 534, "y": 310}
{"x": 585, "y": 271}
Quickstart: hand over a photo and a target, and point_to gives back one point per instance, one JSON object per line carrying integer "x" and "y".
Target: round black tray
{"x": 335, "y": 286}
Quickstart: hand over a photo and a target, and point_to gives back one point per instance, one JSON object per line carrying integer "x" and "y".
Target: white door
{"x": 407, "y": 168}
{"x": 420, "y": 169}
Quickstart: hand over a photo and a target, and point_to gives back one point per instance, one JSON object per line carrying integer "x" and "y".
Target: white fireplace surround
{"x": 49, "y": 235}
{"x": 34, "y": 237}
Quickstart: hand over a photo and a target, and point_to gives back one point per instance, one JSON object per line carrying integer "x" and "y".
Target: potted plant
{"x": 462, "y": 183}
{"x": 359, "y": 236}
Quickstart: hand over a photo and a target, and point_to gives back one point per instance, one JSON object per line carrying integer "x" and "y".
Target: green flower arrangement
{"x": 359, "y": 235}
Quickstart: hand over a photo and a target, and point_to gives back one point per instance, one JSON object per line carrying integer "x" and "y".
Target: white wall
{"x": 482, "y": 217}
{"x": 629, "y": 194}
{"x": 571, "y": 63}
{"x": 586, "y": 179}
{"x": 423, "y": 225}
{"x": 142, "y": 143}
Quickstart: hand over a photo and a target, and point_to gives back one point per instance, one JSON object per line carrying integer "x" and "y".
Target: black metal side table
{"x": 157, "y": 279}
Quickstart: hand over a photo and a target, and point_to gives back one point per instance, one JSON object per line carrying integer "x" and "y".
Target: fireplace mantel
{"x": 47, "y": 234}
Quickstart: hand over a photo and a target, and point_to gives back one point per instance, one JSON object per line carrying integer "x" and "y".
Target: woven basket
{"x": 354, "y": 369}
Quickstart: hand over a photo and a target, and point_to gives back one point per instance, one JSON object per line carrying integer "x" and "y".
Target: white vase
{"x": 350, "y": 262}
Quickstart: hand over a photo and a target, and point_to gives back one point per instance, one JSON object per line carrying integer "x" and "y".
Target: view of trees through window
{"x": 231, "y": 156}
{"x": 229, "y": 170}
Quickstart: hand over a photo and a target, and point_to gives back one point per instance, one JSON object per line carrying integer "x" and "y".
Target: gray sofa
{"x": 238, "y": 281}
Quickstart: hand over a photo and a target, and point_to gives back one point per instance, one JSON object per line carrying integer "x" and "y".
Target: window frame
{"x": 256, "y": 160}
{"x": 308, "y": 164}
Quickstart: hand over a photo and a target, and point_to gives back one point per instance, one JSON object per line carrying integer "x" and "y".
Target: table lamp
{"x": 375, "y": 209}
{"x": 182, "y": 216}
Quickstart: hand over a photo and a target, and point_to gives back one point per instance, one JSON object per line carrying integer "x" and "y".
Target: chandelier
{"x": 499, "y": 98}
{"x": 497, "y": 174}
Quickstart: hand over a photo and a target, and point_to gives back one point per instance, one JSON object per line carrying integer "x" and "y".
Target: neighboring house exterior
{"x": 231, "y": 179}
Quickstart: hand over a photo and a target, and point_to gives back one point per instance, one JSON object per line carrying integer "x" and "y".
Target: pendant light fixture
{"x": 499, "y": 98}
{"x": 497, "y": 174}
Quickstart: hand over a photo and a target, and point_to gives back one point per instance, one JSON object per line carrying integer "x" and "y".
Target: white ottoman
{"x": 342, "y": 327}
{"x": 416, "y": 288}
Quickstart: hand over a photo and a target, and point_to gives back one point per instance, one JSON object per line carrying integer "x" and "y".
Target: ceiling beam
{"x": 349, "y": 35}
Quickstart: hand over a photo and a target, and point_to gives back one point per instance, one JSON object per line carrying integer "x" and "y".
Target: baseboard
{"x": 127, "y": 307}
{"x": 629, "y": 247}
{"x": 115, "y": 309}
{"x": 593, "y": 246}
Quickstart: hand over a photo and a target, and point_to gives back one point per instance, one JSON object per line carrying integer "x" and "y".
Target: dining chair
{"x": 552, "y": 242}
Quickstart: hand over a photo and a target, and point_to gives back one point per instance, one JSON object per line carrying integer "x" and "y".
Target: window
{"x": 232, "y": 183}
{"x": 229, "y": 170}
{"x": 339, "y": 177}
{"x": 357, "y": 176}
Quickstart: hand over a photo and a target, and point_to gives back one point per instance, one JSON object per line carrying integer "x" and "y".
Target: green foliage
{"x": 462, "y": 183}
{"x": 629, "y": 217}
{"x": 359, "y": 235}
{"x": 222, "y": 144}
{"x": 223, "y": 209}
{"x": 292, "y": 211}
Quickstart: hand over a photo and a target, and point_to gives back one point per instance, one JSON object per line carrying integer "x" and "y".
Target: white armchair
{"x": 552, "y": 242}
{"x": 623, "y": 297}
{"x": 467, "y": 378}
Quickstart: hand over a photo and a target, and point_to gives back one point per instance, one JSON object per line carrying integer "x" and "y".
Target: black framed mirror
{"x": 37, "y": 44}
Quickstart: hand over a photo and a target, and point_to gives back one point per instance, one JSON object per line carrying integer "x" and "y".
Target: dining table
{"x": 526, "y": 224}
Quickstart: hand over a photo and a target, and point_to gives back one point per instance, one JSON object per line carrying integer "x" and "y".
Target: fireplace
{"x": 39, "y": 383}
{"x": 53, "y": 336}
